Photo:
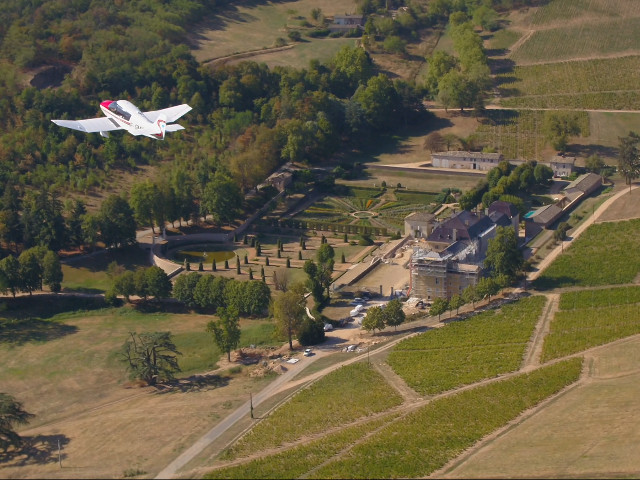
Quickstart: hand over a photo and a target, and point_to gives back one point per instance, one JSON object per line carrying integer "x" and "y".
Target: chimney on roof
{"x": 455, "y": 234}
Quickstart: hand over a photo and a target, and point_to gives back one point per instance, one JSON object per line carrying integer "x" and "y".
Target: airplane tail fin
{"x": 160, "y": 127}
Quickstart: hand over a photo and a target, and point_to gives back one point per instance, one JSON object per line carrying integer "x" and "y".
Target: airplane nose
{"x": 106, "y": 103}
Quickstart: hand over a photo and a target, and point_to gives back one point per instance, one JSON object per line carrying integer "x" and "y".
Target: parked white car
{"x": 328, "y": 327}
{"x": 357, "y": 310}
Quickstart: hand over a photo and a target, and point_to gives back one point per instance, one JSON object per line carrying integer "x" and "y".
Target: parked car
{"x": 358, "y": 300}
{"x": 357, "y": 310}
{"x": 352, "y": 348}
{"x": 328, "y": 327}
{"x": 308, "y": 352}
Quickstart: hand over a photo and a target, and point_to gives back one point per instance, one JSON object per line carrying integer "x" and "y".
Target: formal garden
{"x": 365, "y": 210}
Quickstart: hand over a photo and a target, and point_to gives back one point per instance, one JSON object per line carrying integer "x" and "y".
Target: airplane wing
{"x": 172, "y": 113}
{"x": 90, "y": 125}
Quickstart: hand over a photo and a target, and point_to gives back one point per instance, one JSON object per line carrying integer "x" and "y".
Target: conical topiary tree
{"x": 214, "y": 267}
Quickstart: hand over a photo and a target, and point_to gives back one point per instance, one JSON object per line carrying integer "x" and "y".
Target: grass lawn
{"x": 88, "y": 274}
{"x": 72, "y": 358}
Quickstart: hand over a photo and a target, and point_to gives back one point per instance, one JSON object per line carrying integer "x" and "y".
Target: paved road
{"x": 243, "y": 411}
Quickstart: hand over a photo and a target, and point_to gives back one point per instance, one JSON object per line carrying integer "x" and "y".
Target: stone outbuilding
{"x": 562, "y": 166}
{"x": 419, "y": 224}
{"x": 583, "y": 185}
{"x": 466, "y": 160}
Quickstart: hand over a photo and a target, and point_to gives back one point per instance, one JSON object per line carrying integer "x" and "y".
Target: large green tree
{"x": 151, "y": 356}
{"x": 52, "y": 271}
{"x": 503, "y": 255}
{"x": 393, "y": 313}
{"x": 222, "y": 198}
{"x": 374, "y": 320}
{"x": 288, "y": 310}
{"x": 117, "y": 223}
{"x": 184, "y": 288}
{"x": 226, "y": 330}
{"x": 438, "y": 307}
{"x": 628, "y": 157}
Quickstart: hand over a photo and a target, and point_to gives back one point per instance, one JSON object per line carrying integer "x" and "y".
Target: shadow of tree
{"x": 20, "y": 331}
{"x": 543, "y": 283}
{"x": 194, "y": 383}
{"x": 39, "y": 449}
{"x": 46, "y": 306}
{"x": 591, "y": 149}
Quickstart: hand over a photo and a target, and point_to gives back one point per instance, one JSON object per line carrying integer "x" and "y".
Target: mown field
{"x": 73, "y": 358}
{"x": 255, "y": 26}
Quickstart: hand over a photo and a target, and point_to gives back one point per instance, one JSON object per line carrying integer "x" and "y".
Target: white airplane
{"x": 124, "y": 115}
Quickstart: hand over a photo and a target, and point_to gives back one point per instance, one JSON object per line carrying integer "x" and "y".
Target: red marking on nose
{"x": 106, "y": 103}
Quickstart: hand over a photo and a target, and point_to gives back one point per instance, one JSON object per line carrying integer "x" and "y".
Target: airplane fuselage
{"x": 126, "y": 115}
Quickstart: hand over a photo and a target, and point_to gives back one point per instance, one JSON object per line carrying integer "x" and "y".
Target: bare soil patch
{"x": 625, "y": 208}
{"x": 590, "y": 431}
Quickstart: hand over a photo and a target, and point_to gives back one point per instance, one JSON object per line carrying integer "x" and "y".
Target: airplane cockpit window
{"x": 117, "y": 109}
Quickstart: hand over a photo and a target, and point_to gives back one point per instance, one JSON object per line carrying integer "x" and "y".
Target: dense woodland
{"x": 247, "y": 119}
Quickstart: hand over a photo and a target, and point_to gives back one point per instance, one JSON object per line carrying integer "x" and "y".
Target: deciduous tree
{"x": 393, "y": 313}
{"x": 226, "y": 330}
{"x": 287, "y": 308}
{"x": 374, "y": 320}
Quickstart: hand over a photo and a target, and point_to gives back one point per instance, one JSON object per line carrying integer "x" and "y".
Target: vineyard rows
{"x": 573, "y": 331}
{"x": 603, "y": 297}
{"x": 565, "y": 10}
{"x": 594, "y": 84}
{"x": 486, "y": 345}
{"x": 519, "y": 134}
{"x": 295, "y": 462}
{"x": 419, "y": 443}
{"x": 348, "y": 393}
{"x": 593, "y": 259}
{"x": 581, "y": 40}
